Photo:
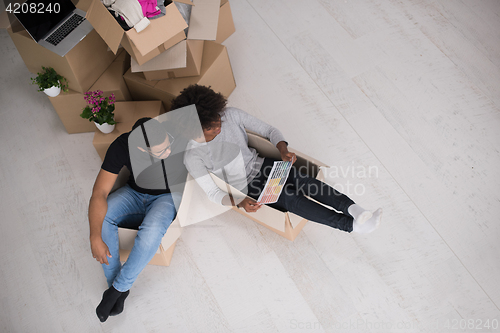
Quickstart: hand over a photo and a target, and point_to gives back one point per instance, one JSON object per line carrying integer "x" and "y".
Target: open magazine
{"x": 275, "y": 182}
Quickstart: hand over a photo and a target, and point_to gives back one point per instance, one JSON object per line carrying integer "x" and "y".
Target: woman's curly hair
{"x": 209, "y": 104}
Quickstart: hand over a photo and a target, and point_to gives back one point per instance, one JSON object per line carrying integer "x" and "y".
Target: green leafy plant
{"x": 99, "y": 109}
{"x": 49, "y": 78}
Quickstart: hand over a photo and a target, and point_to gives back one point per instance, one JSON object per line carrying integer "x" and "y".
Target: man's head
{"x": 156, "y": 137}
{"x": 209, "y": 104}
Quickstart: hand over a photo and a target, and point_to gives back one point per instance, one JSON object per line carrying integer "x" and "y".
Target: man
{"x": 148, "y": 202}
{"x": 223, "y": 129}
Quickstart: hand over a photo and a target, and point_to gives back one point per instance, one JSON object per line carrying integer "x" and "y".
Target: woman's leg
{"x": 317, "y": 190}
{"x": 292, "y": 198}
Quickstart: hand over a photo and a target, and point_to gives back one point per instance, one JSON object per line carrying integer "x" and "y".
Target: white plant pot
{"x": 52, "y": 91}
{"x": 105, "y": 128}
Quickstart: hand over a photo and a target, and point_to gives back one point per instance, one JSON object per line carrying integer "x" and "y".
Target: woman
{"x": 224, "y": 128}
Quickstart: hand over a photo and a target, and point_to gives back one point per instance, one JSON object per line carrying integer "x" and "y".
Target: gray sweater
{"x": 229, "y": 151}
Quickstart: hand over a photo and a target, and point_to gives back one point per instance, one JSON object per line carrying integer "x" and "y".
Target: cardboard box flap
{"x": 174, "y": 232}
{"x": 4, "y": 20}
{"x": 156, "y": 33}
{"x": 204, "y": 20}
{"x": 174, "y": 57}
{"x": 187, "y": 2}
{"x": 105, "y": 25}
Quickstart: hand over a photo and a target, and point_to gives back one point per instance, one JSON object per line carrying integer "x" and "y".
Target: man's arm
{"x": 98, "y": 207}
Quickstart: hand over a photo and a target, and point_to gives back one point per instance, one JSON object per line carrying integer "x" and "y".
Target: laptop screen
{"x": 39, "y": 17}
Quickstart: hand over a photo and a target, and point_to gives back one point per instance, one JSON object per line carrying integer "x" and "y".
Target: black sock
{"x": 109, "y": 299}
{"x": 120, "y": 302}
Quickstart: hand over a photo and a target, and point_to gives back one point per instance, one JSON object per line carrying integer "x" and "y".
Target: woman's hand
{"x": 250, "y": 205}
{"x": 285, "y": 154}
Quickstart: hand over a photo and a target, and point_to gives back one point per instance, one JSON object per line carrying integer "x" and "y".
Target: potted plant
{"x": 50, "y": 82}
{"x": 100, "y": 110}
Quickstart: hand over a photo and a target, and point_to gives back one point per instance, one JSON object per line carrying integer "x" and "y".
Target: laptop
{"x": 56, "y": 25}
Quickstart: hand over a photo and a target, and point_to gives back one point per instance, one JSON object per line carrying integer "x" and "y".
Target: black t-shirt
{"x": 118, "y": 156}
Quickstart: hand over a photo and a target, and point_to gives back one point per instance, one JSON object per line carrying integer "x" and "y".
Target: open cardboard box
{"x": 126, "y": 114}
{"x": 184, "y": 59}
{"x": 159, "y": 35}
{"x": 284, "y": 223}
{"x": 215, "y": 72}
{"x": 69, "y": 105}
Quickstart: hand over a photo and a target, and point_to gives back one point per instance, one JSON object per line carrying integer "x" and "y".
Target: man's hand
{"x": 250, "y": 205}
{"x": 100, "y": 250}
{"x": 285, "y": 154}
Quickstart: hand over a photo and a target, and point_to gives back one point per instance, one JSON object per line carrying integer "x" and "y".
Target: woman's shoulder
{"x": 231, "y": 112}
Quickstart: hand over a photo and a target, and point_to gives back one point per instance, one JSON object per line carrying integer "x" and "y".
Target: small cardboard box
{"x": 126, "y": 114}
{"x": 174, "y": 62}
{"x": 159, "y": 35}
{"x": 215, "y": 72}
{"x": 69, "y": 105}
{"x": 81, "y": 66}
{"x": 184, "y": 59}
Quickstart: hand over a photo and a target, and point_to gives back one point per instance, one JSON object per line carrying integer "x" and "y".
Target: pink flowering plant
{"x": 99, "y": 109}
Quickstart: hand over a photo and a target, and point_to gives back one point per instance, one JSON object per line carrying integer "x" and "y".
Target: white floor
{"x": 409, "y": 90}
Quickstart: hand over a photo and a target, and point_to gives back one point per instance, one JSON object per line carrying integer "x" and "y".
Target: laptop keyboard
{"x": 65, "y": 29}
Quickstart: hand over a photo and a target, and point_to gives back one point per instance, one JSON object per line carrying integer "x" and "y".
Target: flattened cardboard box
{"x": 126, "y": 114}
{"x": 215, "y": 71}
{"x": 69, "y": 105}
{"x": 81, "y": 66}
{"x": 144, "y": 45}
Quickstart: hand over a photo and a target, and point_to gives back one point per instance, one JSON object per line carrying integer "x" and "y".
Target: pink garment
{"x": 149, "y": 8}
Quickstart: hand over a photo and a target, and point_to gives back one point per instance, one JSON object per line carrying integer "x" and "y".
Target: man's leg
{"x": 125, "y": 209}
{"x": 160, "y": 212}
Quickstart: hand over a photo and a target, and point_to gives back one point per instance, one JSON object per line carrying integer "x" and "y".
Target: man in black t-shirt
{"x": 153, "y": 154}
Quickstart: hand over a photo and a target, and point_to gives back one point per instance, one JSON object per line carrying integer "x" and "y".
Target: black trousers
{"x": 293, "y": 198}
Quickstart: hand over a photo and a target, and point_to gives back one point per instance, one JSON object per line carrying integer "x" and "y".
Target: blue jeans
{"x": 151, "y": 215}
{"x": 293, "y": 198}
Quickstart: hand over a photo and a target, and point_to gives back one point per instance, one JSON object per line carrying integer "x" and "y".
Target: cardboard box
{"x": 81, "y": 66}
{"x": 215, "y": 72}
{"x": 285, "y": 223}
{"x": 165, "y": 251}
{"x": 69, "y": 105}
{"x": 158, "y": 36}
{"x": 126, "y": 114}
{"x": 184, "y": 59}
{"x": 174, "y": 63}
{"x": 225, "y": 26}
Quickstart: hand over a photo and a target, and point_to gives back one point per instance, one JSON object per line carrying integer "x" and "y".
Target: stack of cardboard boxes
{"x": 154, "y": 64}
